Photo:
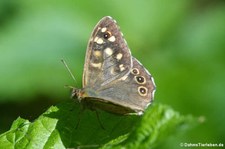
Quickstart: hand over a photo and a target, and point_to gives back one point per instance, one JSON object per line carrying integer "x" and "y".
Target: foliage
{"x": 56, "y": 128}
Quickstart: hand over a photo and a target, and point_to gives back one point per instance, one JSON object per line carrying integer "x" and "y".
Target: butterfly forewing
{"x": 107, "y": 57}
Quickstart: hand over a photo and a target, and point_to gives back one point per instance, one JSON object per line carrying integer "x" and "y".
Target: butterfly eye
{"x": 142, "y": 90}
{"x": 107, "y": 35}
{"x": 140, "y": 80}
{"x": 135, "y": 71}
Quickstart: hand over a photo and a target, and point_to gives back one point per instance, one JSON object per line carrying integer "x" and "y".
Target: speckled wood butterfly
{"x": 113, "y": 80}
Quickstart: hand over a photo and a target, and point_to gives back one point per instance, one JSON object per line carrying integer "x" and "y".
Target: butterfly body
{"x": 113, "y": 80}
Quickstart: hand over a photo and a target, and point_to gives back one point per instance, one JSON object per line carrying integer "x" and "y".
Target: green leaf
{"x": 156, "y": 125}
{"x": 62, "y": 126}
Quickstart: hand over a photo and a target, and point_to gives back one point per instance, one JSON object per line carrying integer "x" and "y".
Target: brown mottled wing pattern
{"x": 134, "y": 91}
{"x": 113, "y": 80}
{"x": 107, "y": 57}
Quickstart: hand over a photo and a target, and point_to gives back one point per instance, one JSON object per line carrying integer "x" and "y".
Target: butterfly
{"x": 113, "y": 80}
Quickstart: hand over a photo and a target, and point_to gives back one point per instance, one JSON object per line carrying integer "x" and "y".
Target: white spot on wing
{"x": 103, "y": 29}
{"x": 112, "y": 39}
{"x": 97, "y": 65}
{"x": 121, "y": 67}
{"x": 108, "y": 51}
{"x": 119, "y": 56}
{"x": 96, "y": 38}
{"x": 99, "y": 41}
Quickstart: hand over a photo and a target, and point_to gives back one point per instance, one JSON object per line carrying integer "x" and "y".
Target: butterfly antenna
{"x": 71, "y": 74}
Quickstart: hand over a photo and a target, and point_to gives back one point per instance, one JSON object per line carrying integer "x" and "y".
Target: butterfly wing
{"x": 107, "y": 57}
{"x": 133, "y": 91}
{"x": 112, "y": 79}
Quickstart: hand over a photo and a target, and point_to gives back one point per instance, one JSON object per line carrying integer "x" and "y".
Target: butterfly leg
{"x": 81, "y": 111}
{"x": 99, "y": 120}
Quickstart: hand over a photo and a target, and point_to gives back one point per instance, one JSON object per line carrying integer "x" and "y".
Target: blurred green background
{"x": 181, "y": 42}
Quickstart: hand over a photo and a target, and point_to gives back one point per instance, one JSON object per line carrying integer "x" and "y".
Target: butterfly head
{"x": 78, "y": 94}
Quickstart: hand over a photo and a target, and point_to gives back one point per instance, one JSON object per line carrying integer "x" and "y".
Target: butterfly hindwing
{"x": 133, "y": 91}
{"x": 108, "y": 57}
